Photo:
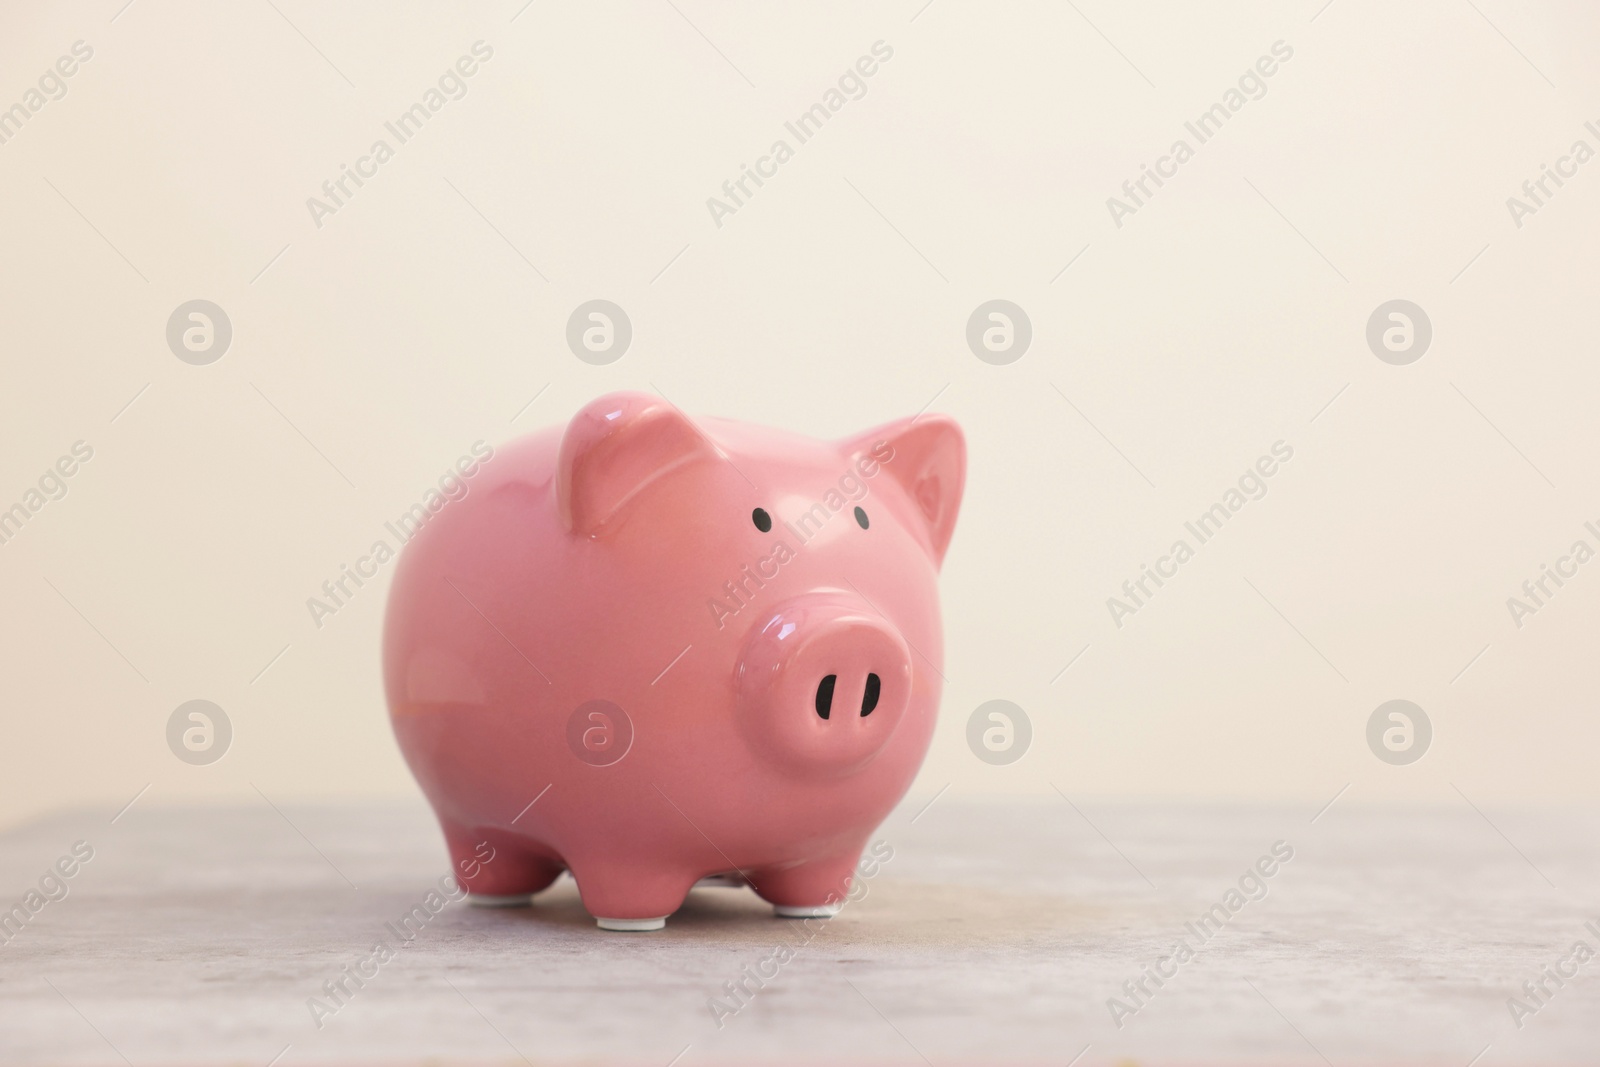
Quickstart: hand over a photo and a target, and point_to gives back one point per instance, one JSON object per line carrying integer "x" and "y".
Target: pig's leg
{"x": 499, "y": 869}
{"x": 812, "y": 890}
{"x": 629, "y": 897}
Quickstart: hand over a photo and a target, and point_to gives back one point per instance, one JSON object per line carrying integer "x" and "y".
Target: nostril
{"x": 869, "y": 699}
{"x": 825, "y": 695}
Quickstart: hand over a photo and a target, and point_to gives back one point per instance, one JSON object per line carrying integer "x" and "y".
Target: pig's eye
{"x": 861, "y": 518}
{"x": 763, "y": 521}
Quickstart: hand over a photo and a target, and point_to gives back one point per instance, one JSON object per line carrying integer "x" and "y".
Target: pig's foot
{"x": 814, "y": 890}
{"x": 497, "y": 869}
{"x": 629, "y": 898}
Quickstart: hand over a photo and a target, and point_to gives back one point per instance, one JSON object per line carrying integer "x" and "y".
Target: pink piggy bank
{"x": 652, "y": 650}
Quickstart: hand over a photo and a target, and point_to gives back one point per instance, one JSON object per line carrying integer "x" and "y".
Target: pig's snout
{"x": 823, "y": 683}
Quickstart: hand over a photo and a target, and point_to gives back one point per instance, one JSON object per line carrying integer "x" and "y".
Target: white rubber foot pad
{"x": 819, "y": 911}
{"x": 632, "y": 925}
{"x": 483, "y": 900}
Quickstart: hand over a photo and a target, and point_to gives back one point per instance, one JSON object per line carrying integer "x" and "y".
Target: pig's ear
{"x": 928, "y": 456}
{"x": 615, "y": 447}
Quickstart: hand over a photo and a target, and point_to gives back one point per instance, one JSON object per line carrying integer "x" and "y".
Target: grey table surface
{"x": 996, "y": 933}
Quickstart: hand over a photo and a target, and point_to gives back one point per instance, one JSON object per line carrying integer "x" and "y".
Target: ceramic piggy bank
{"x": 650, "y": 650}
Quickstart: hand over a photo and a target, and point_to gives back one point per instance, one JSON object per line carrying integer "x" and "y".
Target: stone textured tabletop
{"x": 994, "y": 933}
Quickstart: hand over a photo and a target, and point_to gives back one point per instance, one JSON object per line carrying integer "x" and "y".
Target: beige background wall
{"x": 1227, "y": 314}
